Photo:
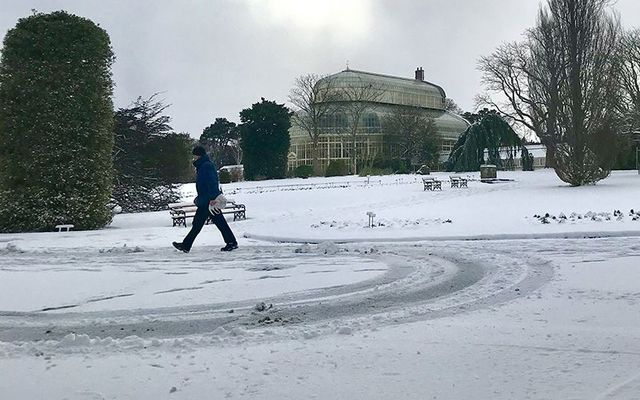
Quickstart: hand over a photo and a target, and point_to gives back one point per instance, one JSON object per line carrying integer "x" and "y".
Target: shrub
{"x": 224, "y": 176}
{"x": 303, "y": 171}
{"x": 236, "y": 175}
{"x": 403, "y": 168}
{"x": 375, "y": 171}
{"x": 336, "y": 168}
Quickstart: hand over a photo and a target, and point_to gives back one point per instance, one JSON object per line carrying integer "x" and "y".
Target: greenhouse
{"x": 371, "y": 140}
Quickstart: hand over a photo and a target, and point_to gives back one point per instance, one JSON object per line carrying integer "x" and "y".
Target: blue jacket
{"x": 207, "y": 184}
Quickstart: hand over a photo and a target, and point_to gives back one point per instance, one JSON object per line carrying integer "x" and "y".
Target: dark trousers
{"x": 202, "y": 213}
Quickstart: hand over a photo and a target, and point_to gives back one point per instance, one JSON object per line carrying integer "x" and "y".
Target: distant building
{"x": 371, "y": 140}
{"x": 236, "y": 172}
{"x": 513, "y": 161}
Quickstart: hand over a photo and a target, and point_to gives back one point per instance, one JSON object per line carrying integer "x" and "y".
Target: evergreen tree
{"x": 488, "y": 132}
{"x": 221, "y": 141}
{"x": 149, "y": 158}
{"x": 265, "y": 140}
{"x": 170, "y": 156}
{"x": 56, "y": 124}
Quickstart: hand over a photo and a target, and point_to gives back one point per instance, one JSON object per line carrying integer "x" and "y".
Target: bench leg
{"x": 178, "y": 221}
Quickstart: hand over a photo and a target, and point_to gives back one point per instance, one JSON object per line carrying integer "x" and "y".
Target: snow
{"x": 495, "y": 304}
{"x": 123, "y": 280}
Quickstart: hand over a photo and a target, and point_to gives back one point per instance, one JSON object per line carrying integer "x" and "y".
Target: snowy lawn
{"x": 547, "y": 307}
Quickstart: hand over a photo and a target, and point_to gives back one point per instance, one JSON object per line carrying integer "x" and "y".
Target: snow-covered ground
{"x": 460, "y": 293}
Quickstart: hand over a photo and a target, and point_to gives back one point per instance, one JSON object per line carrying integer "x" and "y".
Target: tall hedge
{"x": 56, "y": 124}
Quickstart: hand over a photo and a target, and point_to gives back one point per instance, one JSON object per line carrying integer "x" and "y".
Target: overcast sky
{"x": 213, "y": 58}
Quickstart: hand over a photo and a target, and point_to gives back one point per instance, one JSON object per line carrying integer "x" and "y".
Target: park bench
{"x": 458, "y": 181}
{"x": 180, "y": 212}
{"x": 64, "y": 227}
{"x": 432, "y": 184}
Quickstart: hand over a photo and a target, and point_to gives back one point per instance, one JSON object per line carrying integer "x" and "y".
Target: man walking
{"x": 208, "y": 189}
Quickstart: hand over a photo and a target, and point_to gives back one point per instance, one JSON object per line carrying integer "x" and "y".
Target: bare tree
{"x": 353, "y": 100}
{"x": 629, "y": 106}
{"x": 417, "y": 134}
{"x": 587, "y": 36}
{"x": 630, "y": 81}
{"x": 450, "y": 105}
{"x": 312, "y": 95}
{"x": 523, "y": 82}
{"x": 562, "y": 84}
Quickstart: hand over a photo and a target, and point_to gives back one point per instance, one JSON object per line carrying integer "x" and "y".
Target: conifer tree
{"x": 56, "y": 124}
{"x": 489, "y": 133}
{"x": 149, "y": 158}
{"x": 265, "y": 140}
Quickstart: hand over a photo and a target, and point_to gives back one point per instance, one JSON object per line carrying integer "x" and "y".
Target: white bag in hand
{"x": 216, "y": 205}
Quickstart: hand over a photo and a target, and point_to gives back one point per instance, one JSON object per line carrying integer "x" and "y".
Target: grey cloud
{"x": 213, "y": 58}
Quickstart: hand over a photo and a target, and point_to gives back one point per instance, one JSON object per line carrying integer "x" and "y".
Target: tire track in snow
{"x": 423, "y": 281}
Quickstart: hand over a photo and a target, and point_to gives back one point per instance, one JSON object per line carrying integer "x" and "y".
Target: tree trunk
{"x": 315, "y": 161}
{"x": 550, "y": 158}
{"x": 354, "y": 156}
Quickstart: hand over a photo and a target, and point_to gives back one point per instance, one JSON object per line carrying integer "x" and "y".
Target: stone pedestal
{"x": 488, "y": 171}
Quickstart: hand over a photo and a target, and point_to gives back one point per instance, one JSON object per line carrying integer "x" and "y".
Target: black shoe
{"x": 180, "y": 247}
{"x": 229, "y": 247}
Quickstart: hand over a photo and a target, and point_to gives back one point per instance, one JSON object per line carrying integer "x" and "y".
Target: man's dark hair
{"x": 199, "y": 151}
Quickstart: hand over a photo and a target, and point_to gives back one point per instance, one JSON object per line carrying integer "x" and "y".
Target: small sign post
{"x": 636, "y": 140}
{"x": 371, "y": 214}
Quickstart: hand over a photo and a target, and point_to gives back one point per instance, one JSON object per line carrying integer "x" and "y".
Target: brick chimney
{"x": 419, "y": 74}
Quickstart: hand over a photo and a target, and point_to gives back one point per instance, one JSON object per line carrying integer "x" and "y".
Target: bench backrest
{"x": 180, "y": 206}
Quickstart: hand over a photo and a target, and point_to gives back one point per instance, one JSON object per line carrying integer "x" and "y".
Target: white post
{"x": 371, "y": 214}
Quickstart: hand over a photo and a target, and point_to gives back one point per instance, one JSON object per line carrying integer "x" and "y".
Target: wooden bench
{"x": 64, "y": 227}
{"x": 181, "y": 211}
{"x": 431, "y": 184}
{"x": 458, "y": 181}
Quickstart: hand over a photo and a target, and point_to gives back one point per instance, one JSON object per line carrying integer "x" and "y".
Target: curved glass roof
{"x": 395, "y": 90}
